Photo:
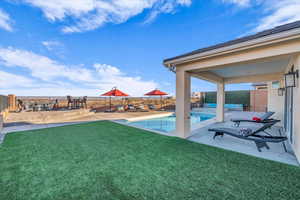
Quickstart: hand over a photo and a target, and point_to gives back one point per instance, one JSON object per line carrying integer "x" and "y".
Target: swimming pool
{"x": 167, "y": 124}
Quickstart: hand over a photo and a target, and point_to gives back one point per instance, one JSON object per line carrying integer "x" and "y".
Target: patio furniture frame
{"x": 256, "y": 136}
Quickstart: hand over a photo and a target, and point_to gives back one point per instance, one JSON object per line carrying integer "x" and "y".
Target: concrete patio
{"x": 276, "y": 151}
{"x": 203, "y": 136}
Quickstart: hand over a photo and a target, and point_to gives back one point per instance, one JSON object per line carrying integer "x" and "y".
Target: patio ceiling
{"x": 271, "y": 69}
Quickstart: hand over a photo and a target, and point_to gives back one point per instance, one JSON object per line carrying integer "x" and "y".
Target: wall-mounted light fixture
{"x": 290, "y": 78}
{"x": 281, "y": 91}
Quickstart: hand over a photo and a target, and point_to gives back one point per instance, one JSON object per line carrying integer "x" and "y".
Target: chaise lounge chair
{"x": 263, "y": 119}
{"x": 259, "y": 136}
{"x": 120, "y": 108}
{"x": 141, "y": 108}
{"x": 131, "y": 108}
{"x": 151, "y": 107}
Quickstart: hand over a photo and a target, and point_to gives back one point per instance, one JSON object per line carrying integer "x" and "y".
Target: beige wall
{"x": 275, "y": 103}
{"x": 296, "y": 110}
{"x": 296, "y": 144}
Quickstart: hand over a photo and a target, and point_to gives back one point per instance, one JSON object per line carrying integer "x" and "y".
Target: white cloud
{"x": 50, "y": 45}
{"x": 56, "y": 77}
{"x": 55, "y": 47}
{"x": 278, "y": 13}
{"x": 275, "y": 12}
{"x": 5, "y": 21}
{"x": 111, "y": 76}
{"x": 42, "y": 67}
{"x": 167, "y": 7}
{"x": 91, "y": 14}
{"x": 59, "y": 9}
{"x": 50, "y": 91}
{"x": 88, "y": 15}
{"x": 242, "y": 3}
{"x": 8, "y": 80}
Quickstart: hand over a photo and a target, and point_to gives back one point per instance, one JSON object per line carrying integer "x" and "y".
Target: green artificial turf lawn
{"x": 104, "y": 160}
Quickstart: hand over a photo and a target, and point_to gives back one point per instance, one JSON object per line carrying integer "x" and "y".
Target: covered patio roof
{"x": 262, "y": 57}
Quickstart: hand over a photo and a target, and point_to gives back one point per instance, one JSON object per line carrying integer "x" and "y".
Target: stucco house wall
{"x": 296, "y": 144}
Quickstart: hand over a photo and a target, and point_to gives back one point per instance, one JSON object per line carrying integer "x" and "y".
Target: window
{"x": 275, "y": 85}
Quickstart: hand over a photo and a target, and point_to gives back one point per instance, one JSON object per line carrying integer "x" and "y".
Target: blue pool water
{"x": 167, "y": 124}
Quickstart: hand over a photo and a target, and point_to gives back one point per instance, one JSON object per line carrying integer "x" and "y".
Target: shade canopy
{"x": 156, "y": 92}
{"x": 115, "y": 93}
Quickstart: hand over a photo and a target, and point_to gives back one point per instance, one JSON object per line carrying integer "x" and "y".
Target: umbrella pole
{"x": 160, "y": 102}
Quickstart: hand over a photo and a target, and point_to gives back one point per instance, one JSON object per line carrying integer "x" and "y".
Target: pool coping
{"x": 171, "y": 133}
{"x": 153, "y": 116}
{"x": 145, "y": 129}
{"x": 203, "y": 124}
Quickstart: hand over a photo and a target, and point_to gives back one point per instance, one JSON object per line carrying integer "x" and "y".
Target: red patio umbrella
{"x": 157, "y": 92}
{"x": 114, "y": 92}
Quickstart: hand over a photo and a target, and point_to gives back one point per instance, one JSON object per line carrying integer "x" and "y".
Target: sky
{"x": 86, "y": 47}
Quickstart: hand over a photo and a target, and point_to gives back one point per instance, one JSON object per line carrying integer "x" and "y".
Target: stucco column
{"x": 183, "y": 95}
{"x": 220, "y": 102}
